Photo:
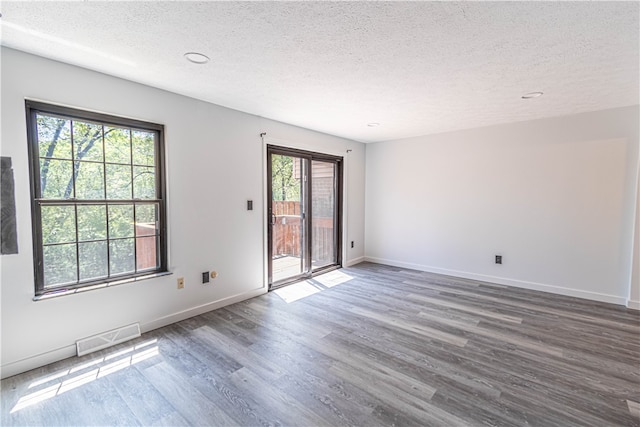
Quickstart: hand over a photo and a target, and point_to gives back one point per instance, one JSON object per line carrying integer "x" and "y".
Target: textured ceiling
{"x": 415, "y": 67}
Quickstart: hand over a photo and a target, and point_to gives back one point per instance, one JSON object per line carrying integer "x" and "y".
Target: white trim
{"x": 265, "y": 215}
{"x": 354, "y": 261}
{"x": 32, "y": 362}
{"x": 195, "y": 311}
{"x": 633, "y": 305}
{"x": 612, "y": 299}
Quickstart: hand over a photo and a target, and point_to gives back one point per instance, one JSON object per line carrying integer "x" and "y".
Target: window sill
{"x": 63, "y": 292}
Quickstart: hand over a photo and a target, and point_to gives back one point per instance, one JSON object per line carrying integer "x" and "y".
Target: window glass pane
{"x": 146, "y": 220}
{"x": 117, "y": 145}
{"x": 56, "y": 179}
{"x": 121, "y": 256}
{"x": 92, "y": 222}
{"x": 120, "y": 221}
{"x": 58, "y": 224}
{"x": 146, "y": 255}
{"x": 118, "y": 182}
{"x": 59, "y": 264}
{"x": 323, "y": 205}
{"x": 143, "y": 148}
{"x": 87, "y": 141}
{"x": 89, "y": 180}
{"x": 93, "y": 260}
{"x": 144, "y": 182}
{"x": 54, "y": 137}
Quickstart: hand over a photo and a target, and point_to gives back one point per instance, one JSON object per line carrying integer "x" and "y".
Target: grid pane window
{"x": 97, "y": 195}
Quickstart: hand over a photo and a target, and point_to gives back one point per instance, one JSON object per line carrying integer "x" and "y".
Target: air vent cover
{"x": 107, "y": 339}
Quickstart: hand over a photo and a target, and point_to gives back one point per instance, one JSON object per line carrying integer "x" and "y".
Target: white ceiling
{"x": 415, "y": 67}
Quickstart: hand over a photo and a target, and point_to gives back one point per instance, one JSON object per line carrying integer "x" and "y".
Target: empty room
{"x": 319, "y": 213}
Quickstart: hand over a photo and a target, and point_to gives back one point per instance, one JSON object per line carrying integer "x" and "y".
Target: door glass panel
{"x": 287, "y": 222}
{"x": 323, "y": 203}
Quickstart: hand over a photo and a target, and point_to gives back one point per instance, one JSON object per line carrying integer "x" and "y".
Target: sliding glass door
{"x": 303, "y": 213}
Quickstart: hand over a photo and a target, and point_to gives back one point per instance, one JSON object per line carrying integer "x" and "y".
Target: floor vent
{"x": 107, "y": 339}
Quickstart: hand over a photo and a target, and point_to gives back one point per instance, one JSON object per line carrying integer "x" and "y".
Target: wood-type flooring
{"x": 372, "y": 345}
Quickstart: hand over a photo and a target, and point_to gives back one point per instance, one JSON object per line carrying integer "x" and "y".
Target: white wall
{"x": 214, "y": 164}
{"x": 555, "y": 197}
{"x": 634, "y": 292}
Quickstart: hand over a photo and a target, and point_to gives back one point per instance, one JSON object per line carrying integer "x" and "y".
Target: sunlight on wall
{"x": 67, "y": 382}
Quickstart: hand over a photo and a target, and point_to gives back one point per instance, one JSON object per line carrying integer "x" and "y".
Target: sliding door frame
{"x": 306, "y": 200}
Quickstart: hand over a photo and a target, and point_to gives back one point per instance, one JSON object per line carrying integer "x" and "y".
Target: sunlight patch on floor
{"x": 332, "y": 278}
{"x": 296, "y": 291}
{"x": 132, "y": 355}
{"x": 305, "y": 288}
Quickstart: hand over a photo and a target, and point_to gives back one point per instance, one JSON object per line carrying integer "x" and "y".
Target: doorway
{"x": 304, "y": 214}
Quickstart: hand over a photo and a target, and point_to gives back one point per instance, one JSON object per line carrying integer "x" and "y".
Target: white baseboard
{"x": 195, "y": 311}
{"x": 354, "y": 261}
{"x": 32, "y": 362}
{"x": 594, "y": 296}
{"x": 634, "y": 305}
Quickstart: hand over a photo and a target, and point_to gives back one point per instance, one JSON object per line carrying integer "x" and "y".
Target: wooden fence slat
{"x": 286, "y": 232}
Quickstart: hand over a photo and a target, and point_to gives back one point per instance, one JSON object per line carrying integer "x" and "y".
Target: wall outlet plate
{"x": 180, "y": 282}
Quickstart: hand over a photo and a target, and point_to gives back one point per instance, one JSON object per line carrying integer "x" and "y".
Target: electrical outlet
{"x": 180, "y": 282}
{"x": 498, "y": 259}
{"x": 352, "y": 244}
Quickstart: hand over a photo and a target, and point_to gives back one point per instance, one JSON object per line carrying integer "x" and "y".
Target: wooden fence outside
{"x": 146, "y": 255}
{"x": 287, "y": 233}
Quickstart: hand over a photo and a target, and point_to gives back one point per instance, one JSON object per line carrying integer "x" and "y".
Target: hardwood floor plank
{"x": 144, "y": 401}
{"x": 413, "y": 327}
{"x": 210, "y": 381}
{"x": 412, "y": 405}
{"x": 466, "y": 308}
{"x": 192, "y": 405}
{"x": 275, "y": 399}
{"x": 634, "y": 408}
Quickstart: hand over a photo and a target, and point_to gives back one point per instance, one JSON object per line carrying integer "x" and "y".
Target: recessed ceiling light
{"x": 373, "y": 125}
{"x": 196, "y": 58}
{"x": 531, "y": 95}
